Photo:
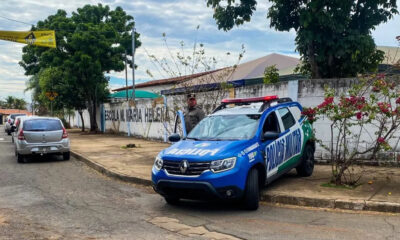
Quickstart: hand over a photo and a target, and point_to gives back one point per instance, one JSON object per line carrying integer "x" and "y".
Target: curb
{"x": 102, "y": 169}
{"x": 358, "y": 205}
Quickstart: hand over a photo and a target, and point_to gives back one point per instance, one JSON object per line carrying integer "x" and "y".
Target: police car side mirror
{"x": 270, "y": 135}
{"x": 174, "y": 137}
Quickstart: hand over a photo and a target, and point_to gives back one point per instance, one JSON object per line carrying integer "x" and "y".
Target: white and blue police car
{"x": 243, "y": 145}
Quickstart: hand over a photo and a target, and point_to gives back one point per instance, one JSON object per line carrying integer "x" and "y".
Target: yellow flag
{"x": 38, "y": 38}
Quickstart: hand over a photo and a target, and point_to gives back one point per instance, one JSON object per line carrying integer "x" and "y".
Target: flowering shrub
{"x": 369, "y": 110}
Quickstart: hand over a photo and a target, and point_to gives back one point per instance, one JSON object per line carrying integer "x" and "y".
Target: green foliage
{"x": 333, "y": 37}
{"x": 91, "y": 42}
{"x": 14, "y": 103}
{"x": 372, "y": 104}
{"x": 271, "y": 74}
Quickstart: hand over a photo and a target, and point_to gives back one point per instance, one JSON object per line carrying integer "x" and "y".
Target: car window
{"x": 16, "y": 115}
{"x": 296, "y": 112}
{"x": 271, "y": 123}
{"x": 226, "y": 127}
{"x": 287, "y": 118}
{"x": 42, "y": 125}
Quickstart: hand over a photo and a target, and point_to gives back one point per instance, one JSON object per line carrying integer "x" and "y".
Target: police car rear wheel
{"x": 306, "y": 167}
{"x": 172, "y": 200}
{"x": 20, "y": 158}
{"x": 251, "y": 197}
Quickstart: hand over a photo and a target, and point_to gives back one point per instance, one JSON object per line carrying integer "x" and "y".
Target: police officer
{"x": 193, "y": 113}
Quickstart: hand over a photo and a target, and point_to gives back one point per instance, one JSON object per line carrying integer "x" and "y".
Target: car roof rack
{"x": 266, "y": 100}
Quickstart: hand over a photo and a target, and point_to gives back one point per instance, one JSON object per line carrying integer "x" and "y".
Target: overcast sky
{"x": 177, "y": 18}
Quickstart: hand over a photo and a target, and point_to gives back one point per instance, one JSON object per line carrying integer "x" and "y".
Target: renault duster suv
{"x": 232, "y": 153}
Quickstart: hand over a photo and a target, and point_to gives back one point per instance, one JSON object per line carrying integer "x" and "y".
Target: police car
{"x": 243, "y": 145}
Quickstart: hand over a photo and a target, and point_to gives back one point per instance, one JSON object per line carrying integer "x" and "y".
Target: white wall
{"x": 147, "y": 119}
{"x": 155, "y": 118}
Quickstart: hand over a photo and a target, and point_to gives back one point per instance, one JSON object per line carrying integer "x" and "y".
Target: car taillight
{"x": 65, "y": 134}
{"x": 21, "y": 135}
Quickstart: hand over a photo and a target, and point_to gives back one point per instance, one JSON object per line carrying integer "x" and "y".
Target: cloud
{"x": 177, "y": 18}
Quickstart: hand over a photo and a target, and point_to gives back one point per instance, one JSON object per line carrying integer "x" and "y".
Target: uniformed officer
{"x": 193, "y": 113}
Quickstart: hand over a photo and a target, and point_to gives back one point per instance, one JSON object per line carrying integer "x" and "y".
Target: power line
{"x": 10, "y": 19}
{"x": 65, "y": 30}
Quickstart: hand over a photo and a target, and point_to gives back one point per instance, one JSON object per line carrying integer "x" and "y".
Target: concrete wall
{"x": 155, "y": 118}
{"x": 148, "y": 119}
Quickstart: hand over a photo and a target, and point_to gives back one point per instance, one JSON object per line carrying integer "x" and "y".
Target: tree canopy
{"x": 14, "y": 103}
{"x": 333, "y": 36}
{"x": 90, "y": 42}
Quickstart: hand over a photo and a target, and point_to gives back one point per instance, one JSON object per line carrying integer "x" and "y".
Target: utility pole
{"x": 126, "y": 76}
{"x": 133, "y": 64}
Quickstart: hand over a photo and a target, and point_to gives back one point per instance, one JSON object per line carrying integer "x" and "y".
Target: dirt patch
{"x": 3, "y": 220}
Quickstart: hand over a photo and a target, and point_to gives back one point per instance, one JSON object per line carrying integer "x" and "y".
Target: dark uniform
{"x": 193, "y": 116}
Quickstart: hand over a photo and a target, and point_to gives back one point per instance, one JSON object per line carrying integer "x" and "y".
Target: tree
{"x": 14, "y": 103}
{"x": 271, "y": 74}
{"x": 90, "y": 43}
{"x": 363, "y": 123}
{"x": 184, "y": 61}
{"x": 333, "y": 37}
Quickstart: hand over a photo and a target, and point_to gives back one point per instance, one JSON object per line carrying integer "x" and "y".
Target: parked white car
{"x": 18, "y": 121}
{"x": 10, "y": 122}
{"x": 41, "y": 136}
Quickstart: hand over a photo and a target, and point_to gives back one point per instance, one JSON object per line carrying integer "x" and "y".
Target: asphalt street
{"x": 48, "y": 198}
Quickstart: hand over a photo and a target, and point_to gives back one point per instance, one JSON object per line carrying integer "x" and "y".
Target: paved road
{"x": 54, "y": 199}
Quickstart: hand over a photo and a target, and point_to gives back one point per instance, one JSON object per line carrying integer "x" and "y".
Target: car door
{"x": 292, "y": 138}
{"x": 179, "y": 126}
{"x": 268, "y": 147}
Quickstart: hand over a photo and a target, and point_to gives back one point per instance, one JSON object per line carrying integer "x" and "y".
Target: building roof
{"x": 392, "y": 54}
{"x": 138, "y": 94}
{"x": 248, "y": 70}
{"x": 11, "y": 111}
{"x": 166, "y": 81}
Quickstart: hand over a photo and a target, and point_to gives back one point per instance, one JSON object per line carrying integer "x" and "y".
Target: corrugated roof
{"x": 392, "y": 54}
{"x": 167, "y": 80}
{"x": 248, "y": 70}
{"x": 11, "y": 111}
{"x": 138, "y": 94}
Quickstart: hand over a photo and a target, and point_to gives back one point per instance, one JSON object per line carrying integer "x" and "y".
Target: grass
{"x": 332, "y": 185}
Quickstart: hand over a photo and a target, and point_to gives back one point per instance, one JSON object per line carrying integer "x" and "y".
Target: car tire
{"x": 252, "y": 193}
{"x": 306, "y": 167}
{"x": 20, "y": 158}
{"x": 172, "y": 200}
{"x": 66, "y": 156}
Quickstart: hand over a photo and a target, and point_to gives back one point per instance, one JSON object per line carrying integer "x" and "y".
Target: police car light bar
{"x": 249, "y": 100}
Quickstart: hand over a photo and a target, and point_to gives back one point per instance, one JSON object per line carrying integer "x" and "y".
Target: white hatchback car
{"x": 40, "y": 136}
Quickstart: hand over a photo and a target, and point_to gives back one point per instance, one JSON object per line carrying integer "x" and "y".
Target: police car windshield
{"x": 226, "y": 127}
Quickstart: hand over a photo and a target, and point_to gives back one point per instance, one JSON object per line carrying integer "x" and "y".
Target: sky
{"x": 178, "y": 19}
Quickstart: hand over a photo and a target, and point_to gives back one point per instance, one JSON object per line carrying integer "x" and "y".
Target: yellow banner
{"x": 38, "y": 38}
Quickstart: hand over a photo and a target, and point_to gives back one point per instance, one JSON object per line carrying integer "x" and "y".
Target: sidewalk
{"x": 105, "y": 154}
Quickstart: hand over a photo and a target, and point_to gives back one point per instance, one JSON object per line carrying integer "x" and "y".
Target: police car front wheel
{"x": 172, "y": 200}
{"x": 306, "y": 167}
{"x": 252, "y": 194}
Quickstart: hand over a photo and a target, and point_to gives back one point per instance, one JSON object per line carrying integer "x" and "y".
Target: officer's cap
{"x": 191, "y": 95}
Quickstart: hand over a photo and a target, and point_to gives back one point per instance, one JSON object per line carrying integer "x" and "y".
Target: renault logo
{"x": 183, "y": 166}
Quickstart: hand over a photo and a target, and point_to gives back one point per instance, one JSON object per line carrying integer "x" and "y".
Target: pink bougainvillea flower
{"x": 381, "y": 140}
{"x": 359, "y": 115}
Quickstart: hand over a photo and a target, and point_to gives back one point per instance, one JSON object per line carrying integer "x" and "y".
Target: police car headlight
{"x": 158, "y": 163}
{"x": 223, "y": 165}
